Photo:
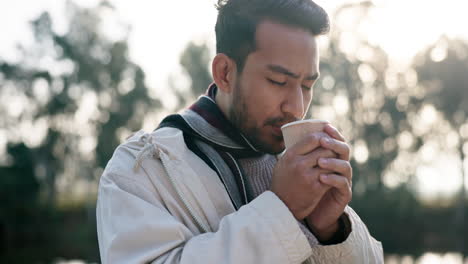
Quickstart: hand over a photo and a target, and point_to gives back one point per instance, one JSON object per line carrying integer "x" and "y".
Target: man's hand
{"x": 324, "y": 218}
{"x": 295, "y": 178}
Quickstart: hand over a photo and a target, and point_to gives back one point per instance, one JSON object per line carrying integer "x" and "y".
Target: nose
{"x": 294, "y": 103}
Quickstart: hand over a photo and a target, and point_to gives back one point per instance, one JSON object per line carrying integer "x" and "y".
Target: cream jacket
{"x": 159, "y": 203}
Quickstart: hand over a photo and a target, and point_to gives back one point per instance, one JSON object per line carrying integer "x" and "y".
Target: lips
{"x": 277, "y": 130}
{"x": 277, "y": 124}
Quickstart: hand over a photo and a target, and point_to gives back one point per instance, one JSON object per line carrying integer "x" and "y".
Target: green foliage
{"x": 446, "y": 80}
{"x": 42, "y": 235}
{"x": 195, "y": 61}
{"x": 84, "y": 66}
{"x": 86, "y": 92}
{"x": 407, "y": 227}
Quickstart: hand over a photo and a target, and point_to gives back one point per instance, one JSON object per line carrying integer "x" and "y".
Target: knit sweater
{"x": 259, "y": 172}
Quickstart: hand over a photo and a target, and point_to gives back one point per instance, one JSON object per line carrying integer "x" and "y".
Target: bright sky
{"x": 161, "y": 29}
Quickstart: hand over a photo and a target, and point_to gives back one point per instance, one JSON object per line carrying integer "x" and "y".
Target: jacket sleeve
{"x": 135, "y": 227}
{"x": 360, "y": 247}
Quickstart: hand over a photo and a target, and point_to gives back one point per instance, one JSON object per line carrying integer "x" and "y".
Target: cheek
{"x": 262, "y": 99}
{"x": 307, "y": 98}
{"x": 260, "y": 95}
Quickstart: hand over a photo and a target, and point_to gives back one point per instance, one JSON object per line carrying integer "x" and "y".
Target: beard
{"x": 240, "y": 117}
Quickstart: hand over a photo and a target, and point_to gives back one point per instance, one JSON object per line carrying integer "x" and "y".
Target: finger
{"x": 308, "y": 144}
{"x": 312, "y": 158}
{"x": 314, "y": 178}
{"x": 338, "y": 166}
{"x": 333, "y": 132}
{"x": 339, "y": 182}
{"x": 339, "y": 147}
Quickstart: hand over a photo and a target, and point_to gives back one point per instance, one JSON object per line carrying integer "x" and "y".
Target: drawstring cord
{"x": 155, "y": 150}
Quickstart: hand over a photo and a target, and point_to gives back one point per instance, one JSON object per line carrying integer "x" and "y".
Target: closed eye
{"x": 275, "y": 82}
{"x": 308, "y": 88}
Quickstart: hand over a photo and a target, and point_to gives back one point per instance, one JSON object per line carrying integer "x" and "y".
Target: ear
{"x": 224, "y": 71}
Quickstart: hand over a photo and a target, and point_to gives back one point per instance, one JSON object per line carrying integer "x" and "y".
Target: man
{"x": 207, "y": 186}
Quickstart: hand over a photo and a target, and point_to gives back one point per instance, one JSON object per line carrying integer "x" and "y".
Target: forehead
{"x": 289, "y": 46}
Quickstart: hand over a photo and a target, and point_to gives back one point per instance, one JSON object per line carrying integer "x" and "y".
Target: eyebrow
{"x": 283, "y": 70}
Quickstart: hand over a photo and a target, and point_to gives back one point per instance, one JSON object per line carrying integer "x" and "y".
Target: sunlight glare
{"x": 33, "y": 132}
{"x": 439, "y": 53}
{"x": 341, "y": 104}
{"x": 361, "y": 152}
{"x": 405, "y": 140}
{"x": 439, "y": 178}
{"x": 367, "y": 74}
{"x": 87, "y": 108}
{"x": 435, "y": 258}
{"x": 86, "y": 146}
{"x": 328, "y": 82}
{"x": 403, "y": 28}
{"x": 464, "y": 130}
{"x": 41, "y": 90}
{"x": 428, "y": 114}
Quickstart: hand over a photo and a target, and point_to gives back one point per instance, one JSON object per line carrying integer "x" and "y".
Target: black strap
{"x": 176, "y": 121}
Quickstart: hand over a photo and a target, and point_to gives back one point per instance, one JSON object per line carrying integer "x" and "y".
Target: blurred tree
{"x": 74, "y": 96}
{"x": 442, "y": 70}
{"x": 354, "y": 94}
{"x": 195, "y": 59}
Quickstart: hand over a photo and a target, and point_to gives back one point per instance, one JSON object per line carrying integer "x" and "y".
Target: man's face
{"x": 275, "y": 86}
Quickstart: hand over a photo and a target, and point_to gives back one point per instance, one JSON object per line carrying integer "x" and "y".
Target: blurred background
{"x": 77, "y": 77}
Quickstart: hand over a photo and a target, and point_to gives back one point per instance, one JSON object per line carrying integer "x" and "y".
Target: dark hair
{"x": 238, "y": 20}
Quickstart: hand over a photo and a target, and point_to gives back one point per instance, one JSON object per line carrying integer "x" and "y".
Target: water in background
{"x": 427, "y": 258}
